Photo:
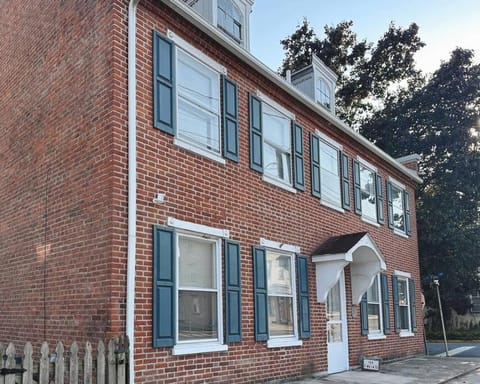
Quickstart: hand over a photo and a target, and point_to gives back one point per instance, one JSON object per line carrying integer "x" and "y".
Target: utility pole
{"x": 437, "y": 284}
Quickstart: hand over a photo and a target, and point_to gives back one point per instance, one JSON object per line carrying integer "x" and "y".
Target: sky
{"x": 444, "y": 25}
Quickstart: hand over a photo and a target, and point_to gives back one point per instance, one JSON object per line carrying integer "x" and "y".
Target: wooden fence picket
{"x": 2, "y": 362}
{"x": 87, "y": 364}
{"x": 28, "y": 364}
{"x": 101, "y": 362}
{"x": 10, "y": 363}
{"x": 59, "y": 364}
{"x": 44, "y": 365}
{"x": 112, "y": 369}
{"x": 74, "y": 363}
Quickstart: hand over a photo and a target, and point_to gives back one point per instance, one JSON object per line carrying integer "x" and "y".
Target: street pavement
{"x": 416, "y": 370}
{"x": 459, "y": 349}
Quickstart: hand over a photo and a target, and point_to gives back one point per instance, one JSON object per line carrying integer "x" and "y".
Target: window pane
{"x": 373, "y": 317}
{"x": 367, "y": 184}
{"x": 372, "y": 293}
{"x": 229, "y": 18}
{"x": 397, "y": 203}
{"x": 279, "y": 274}
{"x": 404, "y": 323}
{"x": 334, "y": 332}
{"x": 323, "y": 93}
{"x": 329, "y": 173}
{"x": 197, "y": 315}
{"x": 280, "y": 316}
{"x": 402, "y": 292}
{"x": 196, "y": 261}
{"x": 333, "y": 303}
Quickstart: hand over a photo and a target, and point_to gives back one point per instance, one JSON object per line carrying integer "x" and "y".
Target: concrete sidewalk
{"x": 416, "y": 370}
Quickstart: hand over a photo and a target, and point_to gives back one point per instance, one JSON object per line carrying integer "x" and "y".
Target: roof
{"x": 338, "y": 244}
{"x": 198, "y": 21}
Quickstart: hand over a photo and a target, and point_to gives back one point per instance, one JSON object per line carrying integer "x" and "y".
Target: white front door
{"x": 337, "y": 328}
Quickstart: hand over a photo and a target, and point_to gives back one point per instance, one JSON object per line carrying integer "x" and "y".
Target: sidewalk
{"x": 416, "y": 370}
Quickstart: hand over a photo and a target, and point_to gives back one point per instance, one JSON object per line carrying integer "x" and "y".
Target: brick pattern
{"x": 63, "y": 182}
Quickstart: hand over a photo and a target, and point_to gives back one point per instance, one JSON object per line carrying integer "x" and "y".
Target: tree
{"x": 366, "y": 71}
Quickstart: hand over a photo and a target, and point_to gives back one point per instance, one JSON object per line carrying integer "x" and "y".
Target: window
{"x": 330, "y": 174}
{"x": 187, "y": 301}
{"x": 368, "y": 190}
{"x": 187, "y": 101}
{"x": 374, "y": 306}
{"x": 198, "y": 103}
{"x": 375, "y": 309}
{"x": 280, "y": 295}
{"x": 277, "y": 270}
{"x": 404, "y": 303}
{"x": 398, "y": 208}
{"x": 229, "y": 18}
{"x": 323, "y": 93}
{"x": 277, "y": 144}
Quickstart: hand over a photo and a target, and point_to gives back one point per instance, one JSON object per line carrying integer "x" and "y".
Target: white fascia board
{"x": 280, "y": 246}
{"x": 202, "y": 24}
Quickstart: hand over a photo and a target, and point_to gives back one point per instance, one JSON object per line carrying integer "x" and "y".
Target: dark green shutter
{"x": 164, "y": 293}
{"x": 303, "y": 297}
{"x": 364, "y": 315}
{"x": 233, "y": 301}
{"x": 379, "y": 189}
{"x": 260, "y": 293}
{"x": 408, "y": 222}
{"x": 315, "y": 165}
{"x": 256, "y": 135}
{"x": 230, "y": 120}
{"x": 345, "y": 181}
{"x": 389, "y": 204}
{"x": 298, "y": 171}
{"x": 413, "y": 304}
{"x": 357, "y": 189}
{"x": 385, "y": 304}
{"x": 396, "y": 308}
{"x": 163, "y": 83}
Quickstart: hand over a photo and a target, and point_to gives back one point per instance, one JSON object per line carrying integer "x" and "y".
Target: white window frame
{"x": 242, "y": 21}
{"x": 325, "y": 140}
{"x": 202, "y": 233}
{"x": 287, "y": 250}
{"x": 370, "y": 167}
{"x": 380, "y": 334}
{"x": 404, "y": 276}
{"x": 323, "y": 93}
{"x": 398, "y": 185}
{"x": 185, "y": 48}
{"x": 282, "y": 113}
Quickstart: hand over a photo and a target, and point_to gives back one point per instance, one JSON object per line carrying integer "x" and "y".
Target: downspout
{"x": 132, "y": 184}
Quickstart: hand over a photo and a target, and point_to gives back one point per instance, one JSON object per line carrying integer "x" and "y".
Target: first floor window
{"x": 198, "y": 289}
{"x": 374, "y": 307}
{"x": 280, "y": 294}
{"x": 403, "y": 303}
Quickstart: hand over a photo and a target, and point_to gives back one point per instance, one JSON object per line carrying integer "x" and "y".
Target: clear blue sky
{"x": 443, "y": 24}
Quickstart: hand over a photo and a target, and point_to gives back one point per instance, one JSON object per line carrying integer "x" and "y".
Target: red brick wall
{"x": 234, "y": 197}
{"x": 57, "y": 171}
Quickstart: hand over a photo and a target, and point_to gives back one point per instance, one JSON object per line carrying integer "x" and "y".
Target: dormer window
{"x": 229, "y": 16}
{"x": 323, "y": 93}
{"x": 229, "y": 19}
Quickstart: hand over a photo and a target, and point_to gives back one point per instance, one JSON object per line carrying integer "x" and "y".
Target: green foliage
{"x": 454, "y": 334}
{"x": 403, "y": 111}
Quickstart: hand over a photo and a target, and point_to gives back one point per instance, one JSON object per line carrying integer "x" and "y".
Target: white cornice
{"x": 202, "y": 24}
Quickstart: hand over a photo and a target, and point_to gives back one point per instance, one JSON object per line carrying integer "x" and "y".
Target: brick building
{"x": 158, "y": 180}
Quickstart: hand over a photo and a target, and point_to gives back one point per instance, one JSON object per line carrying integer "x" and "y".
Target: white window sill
{"x": 332, "y": 206}
{"x": 191, "y": 348}
{"x": 370, "y": 221}
{"x": 400, "y": 233}
{"x": 202, "y": 152}
{"x": 376, "y": 336}
{"x": 284, "y": 342}
{"x": 278, "y": 183}
{"x": 406, "y": 334}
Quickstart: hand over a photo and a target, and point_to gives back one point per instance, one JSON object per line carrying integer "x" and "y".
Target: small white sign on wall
{"x": 370, "y": 364}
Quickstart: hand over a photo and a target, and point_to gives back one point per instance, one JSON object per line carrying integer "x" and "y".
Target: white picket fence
{"x": 106, "y": 365}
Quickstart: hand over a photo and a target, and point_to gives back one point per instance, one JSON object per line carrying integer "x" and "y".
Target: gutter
{"x": 132, "y": 185}
{"x": 202, "y": 24}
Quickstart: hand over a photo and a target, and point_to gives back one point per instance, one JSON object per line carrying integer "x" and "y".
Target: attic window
{"x": 322, "y": 93}
{"x": 229, "y": 19}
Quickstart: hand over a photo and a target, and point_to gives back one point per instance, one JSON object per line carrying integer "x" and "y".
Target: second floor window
{"x": 229, "y": 19}
{"x": 330, "y": 174}
{"x": 367, "y": 186}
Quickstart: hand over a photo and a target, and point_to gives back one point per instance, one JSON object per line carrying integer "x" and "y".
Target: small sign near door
{"x": 370, "y": 364}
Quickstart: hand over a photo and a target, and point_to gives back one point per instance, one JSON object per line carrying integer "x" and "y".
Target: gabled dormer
{"x": 318, "y": 82}
{"x": 232, "y": 17}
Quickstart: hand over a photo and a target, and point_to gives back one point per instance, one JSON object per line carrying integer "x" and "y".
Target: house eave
{"x": 179, "y": 7}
